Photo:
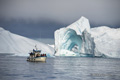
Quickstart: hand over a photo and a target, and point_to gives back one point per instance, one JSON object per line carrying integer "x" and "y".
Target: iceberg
{"x": 78, "y": 39}
{"x": 74, "y": 40}
{"x": 19, "y": 45}
{"x": 107, "y": 41}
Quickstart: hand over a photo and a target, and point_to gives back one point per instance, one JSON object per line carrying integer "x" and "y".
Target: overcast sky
{"x": 61, "y": 12}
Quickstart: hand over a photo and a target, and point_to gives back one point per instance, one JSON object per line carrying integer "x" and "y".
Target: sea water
{"x": 59, "y": 68}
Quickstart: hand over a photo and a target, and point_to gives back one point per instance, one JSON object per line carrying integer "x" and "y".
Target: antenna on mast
{"x": 36, "y": 47}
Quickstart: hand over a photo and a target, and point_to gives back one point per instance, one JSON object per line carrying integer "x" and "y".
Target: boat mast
{"x": 36, "y": 47}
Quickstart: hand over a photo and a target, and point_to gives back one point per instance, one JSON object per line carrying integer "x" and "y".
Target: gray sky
{"x": 64, "y": 12}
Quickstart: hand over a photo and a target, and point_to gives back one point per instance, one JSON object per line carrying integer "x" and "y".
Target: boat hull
{"x": 37, "y": 59}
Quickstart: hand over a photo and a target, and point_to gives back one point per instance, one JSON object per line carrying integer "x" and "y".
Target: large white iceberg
{"x": 19, "y": 45}
{"x": 78, "y": 39}
{"x": 74, "y": 40}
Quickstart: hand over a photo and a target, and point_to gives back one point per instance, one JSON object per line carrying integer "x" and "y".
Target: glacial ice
{"x": 107, "y": 41}
{"x": 80, "y": 25}
{"x": 19, "y": 45}
{"x": 74, "y": 40}
{"x": 67, "y": 40}
{"x": 78, "y": 39}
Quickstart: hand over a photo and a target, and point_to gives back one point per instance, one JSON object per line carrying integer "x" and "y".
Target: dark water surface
{"x": 59, "y": 68}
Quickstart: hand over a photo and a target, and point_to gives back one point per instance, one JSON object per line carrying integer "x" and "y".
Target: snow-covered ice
{"x": 19, "y": 45}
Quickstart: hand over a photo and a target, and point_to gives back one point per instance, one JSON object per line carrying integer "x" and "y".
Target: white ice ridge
{"x": 19, "y": 45}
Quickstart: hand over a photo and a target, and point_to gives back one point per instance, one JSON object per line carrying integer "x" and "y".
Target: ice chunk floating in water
{"x": 73, "y": 40}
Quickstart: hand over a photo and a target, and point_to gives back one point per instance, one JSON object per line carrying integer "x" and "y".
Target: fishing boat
{"x": 36, "y": 56}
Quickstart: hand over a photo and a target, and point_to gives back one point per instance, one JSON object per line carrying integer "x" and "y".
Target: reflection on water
{"x": 59, "y": 68}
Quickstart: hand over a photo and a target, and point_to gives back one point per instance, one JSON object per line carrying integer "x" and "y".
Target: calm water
{"x": 59, "y": 68}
